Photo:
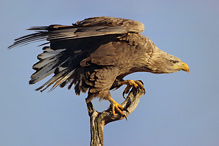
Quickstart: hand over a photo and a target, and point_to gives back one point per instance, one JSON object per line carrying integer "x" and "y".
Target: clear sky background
{"x": 177, "y": 110}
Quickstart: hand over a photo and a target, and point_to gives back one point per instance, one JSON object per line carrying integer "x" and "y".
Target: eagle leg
{"x": 115, "y": 106}
{"x": 90, "y": 97}
{"x": 132, "y": 83}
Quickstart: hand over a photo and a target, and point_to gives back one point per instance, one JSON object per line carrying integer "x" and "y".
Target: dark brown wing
{"x": 71, "y": 47}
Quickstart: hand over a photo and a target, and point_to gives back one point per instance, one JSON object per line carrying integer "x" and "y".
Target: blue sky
{"x": 177, "y": 110}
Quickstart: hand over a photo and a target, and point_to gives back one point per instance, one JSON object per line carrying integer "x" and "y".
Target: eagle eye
{"x": 174, "y": 61}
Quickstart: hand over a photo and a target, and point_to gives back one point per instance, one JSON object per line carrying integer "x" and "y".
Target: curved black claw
{"x": 140, "y": 81}
{"x": 141, "y": 85}
{"x": 126, "y": 91}
{"x": 125, "y": 115}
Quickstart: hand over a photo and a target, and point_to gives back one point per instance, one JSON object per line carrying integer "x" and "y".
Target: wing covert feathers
{"x": 128, "y": 24}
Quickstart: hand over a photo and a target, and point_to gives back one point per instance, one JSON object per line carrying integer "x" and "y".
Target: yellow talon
{"x": 116, "y": 107}
{"x": 130, "y": 84}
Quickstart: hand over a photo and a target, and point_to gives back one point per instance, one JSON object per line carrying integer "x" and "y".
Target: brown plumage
{"x": 96, "y": 54}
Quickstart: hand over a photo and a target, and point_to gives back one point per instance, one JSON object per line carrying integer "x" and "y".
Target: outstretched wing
{"x": 90, "y": 27}
{"x": 69, "y": 45}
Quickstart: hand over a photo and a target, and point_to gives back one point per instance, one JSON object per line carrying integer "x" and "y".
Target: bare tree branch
{"x": 99, "y": 119}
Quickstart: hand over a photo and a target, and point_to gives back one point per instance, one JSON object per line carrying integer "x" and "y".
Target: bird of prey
{"x": 95, "y": 54}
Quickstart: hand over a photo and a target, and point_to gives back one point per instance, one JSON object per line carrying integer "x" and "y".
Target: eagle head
{"x": 162, "y": 62}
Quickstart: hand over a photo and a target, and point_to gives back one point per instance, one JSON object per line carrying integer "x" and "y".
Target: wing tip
{"x": 38, "y": 28}
{"x": 10, "y": 47}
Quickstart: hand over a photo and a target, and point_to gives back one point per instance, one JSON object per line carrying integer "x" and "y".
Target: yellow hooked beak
{"x": 182, "y": 66}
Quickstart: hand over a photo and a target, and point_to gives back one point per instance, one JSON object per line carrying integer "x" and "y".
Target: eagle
{"x": 95, "y": 54}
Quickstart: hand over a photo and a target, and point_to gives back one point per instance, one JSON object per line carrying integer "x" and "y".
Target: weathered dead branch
{"x": 99, "y": 119}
